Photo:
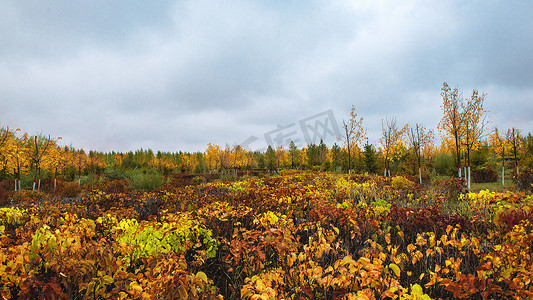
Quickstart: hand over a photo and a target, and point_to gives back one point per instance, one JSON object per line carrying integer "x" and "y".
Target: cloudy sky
{"x": 176, "y": 75}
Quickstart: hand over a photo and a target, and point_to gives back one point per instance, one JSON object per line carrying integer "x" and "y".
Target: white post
{"x": 34, "y": 185}
{"x": 55, "y": 184}
{"x": 19, "y": 184}
{"x": 420, "y": 175}
{"x": 385, "y": 173}
{"x": 39, "y": 185}
{"x": 15, "y": 184}
{"x": 517, "y": 170}
{"x": 503, "y": 177}
{"x": 469, "y": 178}
{"x": 389, "y": 172}
{"x": 459, "y": 172}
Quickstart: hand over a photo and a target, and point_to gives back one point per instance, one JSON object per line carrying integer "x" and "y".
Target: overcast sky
{"x": 165, "y": 75}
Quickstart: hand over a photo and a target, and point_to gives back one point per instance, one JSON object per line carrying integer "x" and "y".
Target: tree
{"x": 528, "y": 143}
{"x": 322, "y": 152}
{"x": 451, "y": 122}
{"x": 18, "y": 157}
{"x": 212, "y": 156}
{"x": 313, "y": 155}
{"x": 516, "y": 142}
{"x": 499, "y": 143}
{"x": 473, "y": 124}
{"x": 420, "y": 138}
{"x": 353, "y": 134}
{"x": 391, "y": 138}
{"x": 271, "y": 160}
{"x": 294, "y": 154}
{"x": 237, "y": 157}
{"x": 369, "y": 156}
{"x": 81, "y": 159}
{"x": 336, "y": 156}
{"x": 39, "y": 148}
{"x": 282, "y": 157}
{"x": 6, "y": 135}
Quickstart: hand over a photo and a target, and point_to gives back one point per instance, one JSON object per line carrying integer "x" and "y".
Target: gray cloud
{"x": 175, "y": 76}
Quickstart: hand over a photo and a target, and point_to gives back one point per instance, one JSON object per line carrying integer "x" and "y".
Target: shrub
{"x": 68, "y": 189}
{"x": 400, "y": 182}
{"x": 444, "y": 164}
{"x": 27, "y": 196}
{"x": 144, "y": 180}
{"x": 6, "y": 189}
{"x": 452, "y": 188}
{"x": 483, "y": 175}
{"x": 524, "y": 181}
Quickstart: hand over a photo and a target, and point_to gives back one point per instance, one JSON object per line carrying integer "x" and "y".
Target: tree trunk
{"x": 469, "y": 178}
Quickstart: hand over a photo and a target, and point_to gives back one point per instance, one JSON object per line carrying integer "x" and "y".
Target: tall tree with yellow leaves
{"x": 6, "y": 135}
{"x": 392, "y": 137}
{"x": 18, "y": 157}
{"x": 499, "y": 142}
{"x": 474, "y": 123}
{"x": 354, "y": 133}
{"x": 451, "y": 123}
{"x": 39, "y": 149}
{"x": 212, "y": 156}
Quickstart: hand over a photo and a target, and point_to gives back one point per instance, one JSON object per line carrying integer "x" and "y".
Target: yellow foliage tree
{"x": 354, "y": 133}
{"x": 392, "y": 140}
{"x": 18, "y": 156}
{"x": 451, "y": 122}
{"x": 212, "y": 156}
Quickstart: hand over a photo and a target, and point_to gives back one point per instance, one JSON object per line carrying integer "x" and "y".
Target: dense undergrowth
{"x": 301, "y": 235}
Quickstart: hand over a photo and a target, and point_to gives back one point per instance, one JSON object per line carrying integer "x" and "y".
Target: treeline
{"x": 40, "y": 156}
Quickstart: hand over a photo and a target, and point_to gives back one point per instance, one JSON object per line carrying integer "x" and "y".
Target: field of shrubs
{"x": 299, "y": 235}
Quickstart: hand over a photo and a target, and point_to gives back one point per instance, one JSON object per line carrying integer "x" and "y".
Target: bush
{"x": 400, "y": 182}
{"x": 452, "y": 188}
{"x": 68, "y": 189}
{"x": 6, "y": 189}
{"x": 62, "y": 188}
{"x": 444, "y": 164}
{"x": 483, "y": 175}
{"x": 27, "y": 196}
{"x": 524, "y": 181}
{"x": 147, "y": 180}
